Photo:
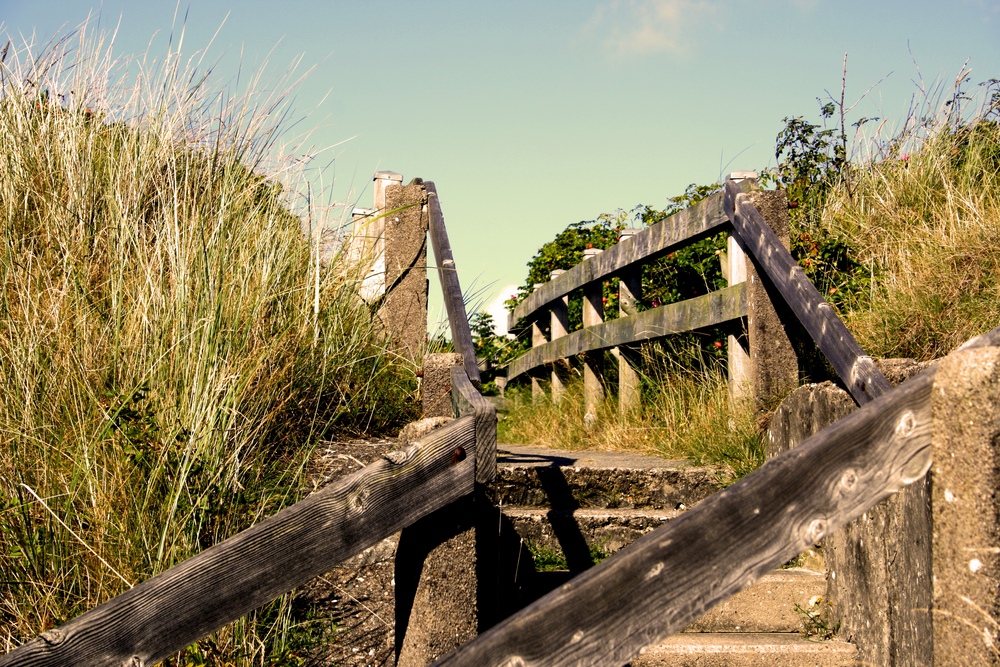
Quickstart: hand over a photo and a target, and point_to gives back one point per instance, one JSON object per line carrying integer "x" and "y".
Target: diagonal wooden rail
{"x": 170, "y": 611}
{"x": 667, "y": 579}
{"x": 855, "y": 368}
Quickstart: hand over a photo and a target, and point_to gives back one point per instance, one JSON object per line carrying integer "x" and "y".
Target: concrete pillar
{"x": 435, "y": 386}
{"x": 629, "y": 294}
{"x": 965, "y": 476}
{"x": 537, "y": 340}
{"x": 734, "y": 270}
{"x": 558, "y": 327}
{"x": 593, "y": 313}
{"x": 774, "y": 366}
{"x": 404, "y": 309}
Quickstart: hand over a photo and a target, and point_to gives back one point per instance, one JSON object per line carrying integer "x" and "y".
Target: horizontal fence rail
{"x": 855, "y": 368}
{"x": 176, "y": 608}
{"x": 667, "y": 579}
{"x": 682, "y": 228}
{"x": 704, "y": 311}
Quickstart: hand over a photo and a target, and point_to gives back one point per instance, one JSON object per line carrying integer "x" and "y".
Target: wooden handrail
{"x": 704, "y": 218}
{"x": 179, "y": 606}
{"x": 704, "y": 311}
{"x": 667, "y": 579}
{"x": 855, "y": 368}
{"x": 467, "y": 401}
{"x": 454, "y": 303}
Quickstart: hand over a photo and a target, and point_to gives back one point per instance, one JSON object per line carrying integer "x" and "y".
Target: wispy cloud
{"x": 646, "y": 27}
{"x": 642, "y": 27}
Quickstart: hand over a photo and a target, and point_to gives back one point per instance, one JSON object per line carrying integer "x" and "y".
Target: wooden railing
{"x": 673, "y": 575}
{"x": 727, "y": 211}
{"x": 609, "y": 613}
{"x": 187, "y": 602}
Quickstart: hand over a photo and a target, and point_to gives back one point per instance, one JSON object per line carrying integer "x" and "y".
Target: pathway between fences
{"x": 914, "y": 578}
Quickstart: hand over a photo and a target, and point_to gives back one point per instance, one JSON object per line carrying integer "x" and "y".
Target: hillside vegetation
{"x": 171, "y": 350}
{"x": 897, "y": 228}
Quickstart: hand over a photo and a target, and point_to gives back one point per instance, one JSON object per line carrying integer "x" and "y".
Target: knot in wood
{"x": 816, "y": 530}
{"x": 134, "y": 661}
{"x": 458, "y": 455}
{"x": 357, "y": 501}
{"x": 907, "y": 423}
{"x": 849, "y": 480}
{"x": 401, "y": 456}
{"x": 514, "y": 661}
{"x": 53, "y": 636}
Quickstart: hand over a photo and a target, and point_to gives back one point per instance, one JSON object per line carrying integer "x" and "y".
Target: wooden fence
{"x": 637, "y": 597}
{"x": 164, "y": 614}
{"x": 749, "y": 232}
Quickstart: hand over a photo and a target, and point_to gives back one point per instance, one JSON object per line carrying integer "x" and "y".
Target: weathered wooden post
{"x": 629, "y": 294}
{"x": 558, "y": 327}
{"x": 774, "y": 366}
{"x": 593, "y": 314}
{"x": 537, "y": 340}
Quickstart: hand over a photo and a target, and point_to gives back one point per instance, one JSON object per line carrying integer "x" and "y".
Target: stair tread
{"x": 538, "y": 455}
{"x": 728, "y": 649}
{"x": 530, "y": 475}
{"x": 749, "y": 642}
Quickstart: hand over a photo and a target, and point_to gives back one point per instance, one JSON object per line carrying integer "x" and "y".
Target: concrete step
{"x": 703, "y": 649}
{"x": 602, "y": 531}
{"x": 766, "y": 607}
{"x": 560, "y": 479}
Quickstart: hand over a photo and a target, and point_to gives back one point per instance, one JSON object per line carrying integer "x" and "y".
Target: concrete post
{"x": 774, "y": 367}
{"x": 593, "y": 313}
{"x": 404, "y": 310}
{"x": 435, "y": 386}
{"x": 965, "y": 477}
{"x": 558, "y": 327}
{"x": 734, "y": 270}
{"x": 629, "y": 294}
{"x": 367, "y": 248}
{"x": 537, "y": 340}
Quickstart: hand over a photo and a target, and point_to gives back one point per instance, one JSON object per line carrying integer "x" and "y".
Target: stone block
{"x": 435, "y": 388}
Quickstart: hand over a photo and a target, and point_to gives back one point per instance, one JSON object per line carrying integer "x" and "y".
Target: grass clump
{"x": 685, "y": 413}
{"x": 170, "y": 348}
{"x": 926, "y": 224}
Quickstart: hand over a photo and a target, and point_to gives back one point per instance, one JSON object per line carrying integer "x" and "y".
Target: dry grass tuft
{"x": 170, "y": 349}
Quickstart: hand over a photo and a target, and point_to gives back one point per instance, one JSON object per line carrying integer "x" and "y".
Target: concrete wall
{"x": 916, "y": 580}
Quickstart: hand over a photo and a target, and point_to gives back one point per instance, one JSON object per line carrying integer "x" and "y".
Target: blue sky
{"x": 533, "y": 115}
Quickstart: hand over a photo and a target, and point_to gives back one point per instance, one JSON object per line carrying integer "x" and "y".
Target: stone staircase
{"x": 574, "y": 508}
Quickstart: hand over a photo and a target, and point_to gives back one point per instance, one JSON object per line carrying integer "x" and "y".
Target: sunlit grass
{"x": 171, "y": 349}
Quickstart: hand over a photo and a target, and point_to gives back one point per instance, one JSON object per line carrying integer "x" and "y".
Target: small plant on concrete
{"x": 817, "y": 623}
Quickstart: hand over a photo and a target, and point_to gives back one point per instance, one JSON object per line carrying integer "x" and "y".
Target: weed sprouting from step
{"x": 817, "y": 623}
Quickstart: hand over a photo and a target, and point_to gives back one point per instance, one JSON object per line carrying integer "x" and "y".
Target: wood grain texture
{"x": 667, "y": 579}
{"x": 691, "y": 224}
{"x": 170, "y": 611}
{"x": 703, "y": 311}
{"x": 854, "y": 367}
{"x": 454, "y": 303}
{"x": 469, "y": 402}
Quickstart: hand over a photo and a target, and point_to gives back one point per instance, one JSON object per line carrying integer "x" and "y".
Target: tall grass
{"x": 685, "y": 413}
{"x": 170, "y": 348}
{"x": 922, "y": 212}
